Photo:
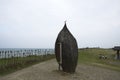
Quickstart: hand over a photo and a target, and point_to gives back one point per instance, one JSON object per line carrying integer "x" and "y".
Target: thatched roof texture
{"x": 66, "y": 50}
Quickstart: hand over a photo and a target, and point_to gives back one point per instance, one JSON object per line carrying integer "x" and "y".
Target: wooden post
{"x": 118, "y": 56}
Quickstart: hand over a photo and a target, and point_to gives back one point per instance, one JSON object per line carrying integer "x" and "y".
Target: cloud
{"x": 28, "y": 23}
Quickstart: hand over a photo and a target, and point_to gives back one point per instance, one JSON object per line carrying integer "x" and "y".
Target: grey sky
{"x": 36, "y": 23}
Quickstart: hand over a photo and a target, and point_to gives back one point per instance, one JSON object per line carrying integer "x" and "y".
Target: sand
{"x": 48, "y": 70}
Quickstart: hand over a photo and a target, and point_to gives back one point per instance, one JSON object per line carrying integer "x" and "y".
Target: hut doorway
{"x": 59, "y": 51}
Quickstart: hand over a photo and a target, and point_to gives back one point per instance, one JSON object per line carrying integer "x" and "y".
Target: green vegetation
{"x": 91, "y": 56}
{"x": 8, "y": 65}
{"x": 88, "y": 56}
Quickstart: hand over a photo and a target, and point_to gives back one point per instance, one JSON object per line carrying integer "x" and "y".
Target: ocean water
{"x": 23, "y": 52}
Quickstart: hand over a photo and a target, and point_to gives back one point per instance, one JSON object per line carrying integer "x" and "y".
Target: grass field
{"x": 91, "y": 56}
{"x": 88, "y": 56}
{"x": 8, "y": 65}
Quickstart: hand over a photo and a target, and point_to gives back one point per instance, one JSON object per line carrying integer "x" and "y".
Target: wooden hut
{"x": 117, "y": 48}
{"x": 66, "y": 50}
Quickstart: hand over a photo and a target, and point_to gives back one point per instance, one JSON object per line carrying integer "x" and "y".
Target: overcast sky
{"x": 36, "y": 23}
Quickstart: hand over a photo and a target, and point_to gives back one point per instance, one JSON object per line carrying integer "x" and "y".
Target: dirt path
{"x": 48, "y": 71}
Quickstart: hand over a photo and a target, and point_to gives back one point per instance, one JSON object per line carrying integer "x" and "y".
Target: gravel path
{"x": 48, "y": 71}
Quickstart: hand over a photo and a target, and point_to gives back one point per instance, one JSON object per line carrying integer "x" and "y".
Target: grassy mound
{"x": 99, "y": 57}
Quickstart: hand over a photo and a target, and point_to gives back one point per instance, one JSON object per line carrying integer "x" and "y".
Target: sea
{"x": 23, "y": 52}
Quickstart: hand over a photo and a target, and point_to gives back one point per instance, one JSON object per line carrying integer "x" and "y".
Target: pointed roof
{"x": 65, "y": 26}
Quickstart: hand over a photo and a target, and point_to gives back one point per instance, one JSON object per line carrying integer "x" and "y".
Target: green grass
{"x": 91, "y": 57}
{"x": 10, "y": 65}
{"x": 86, "y": 56}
